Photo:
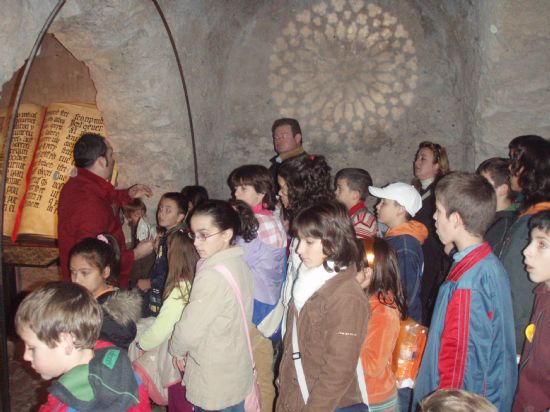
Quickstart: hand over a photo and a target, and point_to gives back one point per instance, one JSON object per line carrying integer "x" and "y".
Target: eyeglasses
{"x": 201, "y": 237}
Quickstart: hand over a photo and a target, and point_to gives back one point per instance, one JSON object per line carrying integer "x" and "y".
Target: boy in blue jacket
{"x": 471, "y": 343}
{"x": 398, "y": 205}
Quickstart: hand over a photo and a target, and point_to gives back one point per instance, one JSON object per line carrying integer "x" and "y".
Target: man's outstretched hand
{"x": 139, "y": 190}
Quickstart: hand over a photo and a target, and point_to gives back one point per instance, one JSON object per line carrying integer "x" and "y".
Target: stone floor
{"x": 27, "y": 389}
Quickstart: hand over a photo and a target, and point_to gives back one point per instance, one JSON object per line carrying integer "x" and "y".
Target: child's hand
{"x": 144, "y": 284}
{"x": 179, "y": 363}
{"x": 140, "y": 350}
{"x": 156, "y": 244}
{"x": 144, "y": 248}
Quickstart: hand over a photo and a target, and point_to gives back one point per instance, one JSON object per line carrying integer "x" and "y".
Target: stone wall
{"x": 56, "y": 76}
{"x": 368, "y": 80}
{"x": 514, "y": 82}
{"x": 368, "y": 83}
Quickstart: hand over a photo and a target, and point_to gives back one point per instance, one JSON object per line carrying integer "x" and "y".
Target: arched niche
{"x": 126, "y": 50}
{"x": 56, "y": 76}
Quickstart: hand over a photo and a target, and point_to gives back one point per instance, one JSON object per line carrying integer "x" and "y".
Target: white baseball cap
{"x": 404, "y": 194}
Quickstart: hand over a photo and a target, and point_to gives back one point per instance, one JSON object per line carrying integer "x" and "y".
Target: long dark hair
{"x": 182, "y": 261}
{"x": 532, "y": 166}
{"x": 386, "y": 280}
{"x": 249, "y": 224}
{"x": 195, "y": 194}
{"x": 308, "y": 180}
{"x": 257, "y": 176}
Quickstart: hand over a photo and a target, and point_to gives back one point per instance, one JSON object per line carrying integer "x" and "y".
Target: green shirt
{"x": 169, "y": 314}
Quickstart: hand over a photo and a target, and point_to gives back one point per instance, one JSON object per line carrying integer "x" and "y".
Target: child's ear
{"x": 181, "y": 216}
{"x": 106, "y": 272}
{"x": 502, "y": 190}
{"x": 364, "y": 277}
{"x": 402, "y": 210}
{"x": 227, "y": 235}
{"x": 356, "y": 195}
{"x": 66, "y": 341}
{"x": 456, "y": 219}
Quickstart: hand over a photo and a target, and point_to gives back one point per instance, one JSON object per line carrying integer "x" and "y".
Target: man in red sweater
{"x": 89, "y": 204}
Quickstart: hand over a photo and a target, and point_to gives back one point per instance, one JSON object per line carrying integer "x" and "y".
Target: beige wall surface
{"x": 367, "y": 80}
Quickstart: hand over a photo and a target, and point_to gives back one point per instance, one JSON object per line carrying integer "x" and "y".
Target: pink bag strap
{"x": 231, "y": 280}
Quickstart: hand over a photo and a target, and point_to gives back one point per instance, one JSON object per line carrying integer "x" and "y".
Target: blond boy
{"x": 60, "y": 323}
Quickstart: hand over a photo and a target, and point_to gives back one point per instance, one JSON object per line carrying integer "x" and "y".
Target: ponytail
{"x": 101, "y": 252}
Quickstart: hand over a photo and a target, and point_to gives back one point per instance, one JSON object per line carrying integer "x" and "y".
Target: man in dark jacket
{"x": 287, "y": 141}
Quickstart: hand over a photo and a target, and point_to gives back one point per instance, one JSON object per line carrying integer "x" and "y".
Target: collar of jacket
{"x": 280, "y": 158}
{"x": 358, "y": 206}
{"x": 222, "y": 256}
{"x": 103, "y": 185}
{"x": 333, "y": 282}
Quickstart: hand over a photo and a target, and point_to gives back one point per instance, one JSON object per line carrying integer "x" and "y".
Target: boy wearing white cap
{"x": 399, "y": 202}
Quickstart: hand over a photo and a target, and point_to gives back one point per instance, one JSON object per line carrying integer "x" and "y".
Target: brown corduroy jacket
{"x": 331, "y": 328}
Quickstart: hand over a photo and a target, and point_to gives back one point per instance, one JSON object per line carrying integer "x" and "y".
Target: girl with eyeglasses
{"x": 171, "y": 213}
{"x": 379, "y": 276}
{"x": 430, "y": 164}
{"x": 210, "y": 335}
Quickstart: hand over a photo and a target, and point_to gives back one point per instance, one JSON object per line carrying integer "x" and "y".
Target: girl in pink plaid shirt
{"x": 253, "y": 185}
{"x": 263, "y": 240}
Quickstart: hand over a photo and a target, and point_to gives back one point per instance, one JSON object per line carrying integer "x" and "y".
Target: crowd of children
{"x": 298, "y": 301}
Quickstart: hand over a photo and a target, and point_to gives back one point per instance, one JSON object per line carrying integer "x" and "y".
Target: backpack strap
{"x": 231, "y": 280}
{"x": 296, "y": 356}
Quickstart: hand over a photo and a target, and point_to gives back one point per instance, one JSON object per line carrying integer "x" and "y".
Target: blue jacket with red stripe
{"x": 471, "y": 342}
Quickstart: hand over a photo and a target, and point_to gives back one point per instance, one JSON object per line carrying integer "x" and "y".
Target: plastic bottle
{"x": 408, "y": 352}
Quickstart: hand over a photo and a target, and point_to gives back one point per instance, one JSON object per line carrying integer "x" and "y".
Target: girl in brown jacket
{"x": 328, "y": 313}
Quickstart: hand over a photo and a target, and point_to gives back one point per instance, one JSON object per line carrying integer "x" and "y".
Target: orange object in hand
{"x": 408, "y": 352}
